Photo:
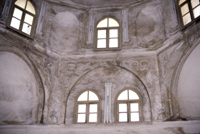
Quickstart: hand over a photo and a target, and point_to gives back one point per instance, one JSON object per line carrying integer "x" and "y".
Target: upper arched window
{"x": 190, "y": 10}
{"x": 87, "y": 107}
{"x": 107, "y": 35}
{"x": 22, "y": 17}
{"x": 128, "y": 104}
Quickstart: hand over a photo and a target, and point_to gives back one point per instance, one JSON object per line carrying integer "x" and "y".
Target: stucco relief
{"x": 95, "y": 80}
{"x": 64, "y": 33}
{"x": 168, "y": 60}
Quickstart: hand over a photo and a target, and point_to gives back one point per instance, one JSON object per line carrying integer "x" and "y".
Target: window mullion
{"x": 22, "y": 21}
{"x": 128, "y": 112}
{"x": 191, "y": 10}
{"x": 107, "y": 38}
{"x": 87, "y": 112}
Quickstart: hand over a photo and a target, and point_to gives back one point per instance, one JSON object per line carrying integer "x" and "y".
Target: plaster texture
{"x": 41, "y": 77}
{"x": 18, "y": 99}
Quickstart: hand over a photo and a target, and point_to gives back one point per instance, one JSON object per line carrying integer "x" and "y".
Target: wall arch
{"x": 185, "y": 84}
{"x": 38, "y": 90}
{"x": 96, "y": 79}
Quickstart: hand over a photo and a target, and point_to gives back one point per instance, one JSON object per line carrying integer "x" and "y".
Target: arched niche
{"x": 95, "y": 80}
{"x": 188, "y": 92}
{"x": 19, "y": 96}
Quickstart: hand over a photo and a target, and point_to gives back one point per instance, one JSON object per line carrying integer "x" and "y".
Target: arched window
{"x": 128, "y": 106}
{"x": 22, "y": 17}
{"x": 107, "y": 33}
{"x": 87, "y": 108}
{"x": 190, "y": 10}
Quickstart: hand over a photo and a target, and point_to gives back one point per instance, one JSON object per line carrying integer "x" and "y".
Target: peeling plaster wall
{"x": 63, "y": 64}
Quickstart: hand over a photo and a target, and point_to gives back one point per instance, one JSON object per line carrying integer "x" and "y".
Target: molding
{"x": 41, "y": 18}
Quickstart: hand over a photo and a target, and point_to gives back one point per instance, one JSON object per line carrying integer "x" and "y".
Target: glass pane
{"x": 196, "y": 12}
{"x": 103, "y": 23}
{"x": 93, "y": 108}
{"x": 83, "y": 96}
{"x": 21, "y": 3}
{"x": 113, "y": 23}
{"x": 101, "y": 34}
{"x": 122, "y": 107}
{"x": 113, "y": 43}
{"x": 30, "y": 8}
{"x": 133, "y": 95}
{"x": 101, "y": 43}
{"x": 81, "y": 108}
{"x": 123, "y": 96}
{"x": 184, "y": 9}
{"x": 17, "y": 13}
{"x": 186, "y": 19}
{"x": 93, "y": 96}
{"x": 81, "y": 118}
{"x": 123, "y": 117}
{"x": 28, "y": 19}
{"x": 15, "y": 23}
{"x": 135, "y": 117}
{"x": 113, "y": 33}
{"x": 181, "y": 1}
{"x": 92, "y": 117}
{"x": 26, "y": 28}
{"x": 134, "y": 107}
{"x": 194, "y": 3}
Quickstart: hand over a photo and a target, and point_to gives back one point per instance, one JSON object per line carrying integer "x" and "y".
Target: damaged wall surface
{"x": 41, "y": 77}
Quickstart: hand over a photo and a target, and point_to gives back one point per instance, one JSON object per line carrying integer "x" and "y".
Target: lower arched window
{"x": 87, "y": 107}
{"x": 129, "y": 106}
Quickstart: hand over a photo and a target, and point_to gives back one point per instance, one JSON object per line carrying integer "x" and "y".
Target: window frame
{"x": 190, "y": 12}
{"x": 24, "y": 12}
{"x": 98, "y": 102}
{"x": 107, "y": 35}
{"x": 128, "y": 102}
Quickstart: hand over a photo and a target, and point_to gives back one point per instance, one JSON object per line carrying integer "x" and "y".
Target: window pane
{"x": 81, "y": 108}
{"x": 17, "y": 13}
{"x": 28, "y": 19}
{"x": 181, "y": 1}
{"x": 92, "y": 117}
{"x": 186, "y": 19}
{"x": 113, "y": 33}
{"x": 122, "y": 107}
{"x": 113, "y": 23}
{"x": 184, "y": 9}
{"x": 196, "y": 12}
{"x": 194, "y": 3}
{"x": 93, "y": 96}
{"x": 30, "y": 8}
{"x": 103, "y": 23}
{"x": 135, "y": 117}
{"x": 81, "y": 118}
{"x": 134, "y": 107}
{"x": 83, "y": 96}
{"x": 113, "y": 43}
{"x": 93, "y": 108}
{"x": 123, "y": 117}
{"x": 15, "y": 23}
{"x": 101, "y": 34}
{"x": 123, "y": 96}
{"x": 133, "y": 95}
{"x": 21, "y": 3}
{"x": 26, "y": 28}
{"x": 101, "y": 43}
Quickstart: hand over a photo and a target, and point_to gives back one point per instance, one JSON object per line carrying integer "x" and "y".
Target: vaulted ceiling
{"x": 100, "y": 2}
